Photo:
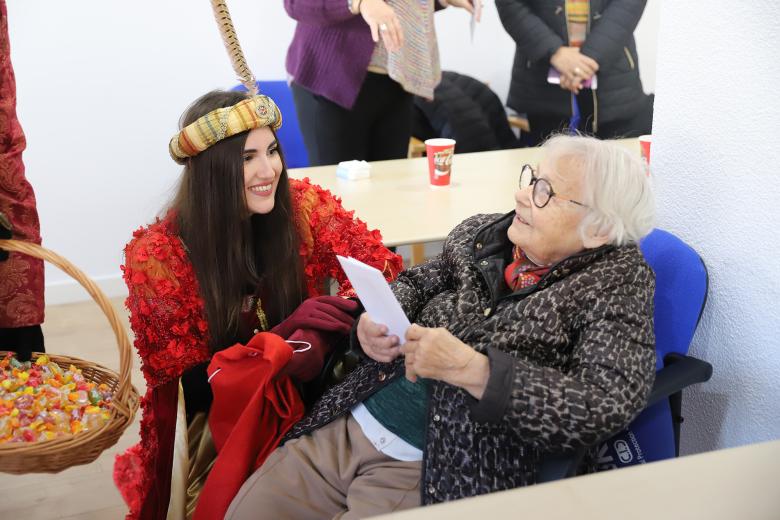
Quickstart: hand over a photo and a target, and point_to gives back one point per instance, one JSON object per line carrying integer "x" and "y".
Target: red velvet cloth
{"x": 307, "y": 363}
{"x": 21, "y": 277}
{"x": 252, "y": 410}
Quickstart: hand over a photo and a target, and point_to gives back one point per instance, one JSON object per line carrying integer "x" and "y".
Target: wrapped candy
{"x": 40, "y": 401}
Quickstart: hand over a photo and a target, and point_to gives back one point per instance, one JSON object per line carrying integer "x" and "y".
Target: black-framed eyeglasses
{"x": 543, "y": 190}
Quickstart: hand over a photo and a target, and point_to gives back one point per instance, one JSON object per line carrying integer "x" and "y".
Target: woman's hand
{"x": 573, "y": 85}
{"x": 468, "y": 5}
{"x": 375, "y": 342}
{"x": 437, "y": 354}
{"x": 381, "y": 18}
{"x": 574, "y": 67}
{"x": 325, "y": 313}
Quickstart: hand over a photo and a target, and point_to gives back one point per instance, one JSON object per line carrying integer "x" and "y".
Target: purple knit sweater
{"x": 330, "y": 50}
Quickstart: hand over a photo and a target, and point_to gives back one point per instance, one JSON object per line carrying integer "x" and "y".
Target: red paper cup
{"x": 440, "y": 152}
{"x": 644, "y": 147}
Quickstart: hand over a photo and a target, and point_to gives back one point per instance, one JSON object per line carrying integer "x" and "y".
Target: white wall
{"x": 102, "y": 84}
{"x": 715, "y": 157}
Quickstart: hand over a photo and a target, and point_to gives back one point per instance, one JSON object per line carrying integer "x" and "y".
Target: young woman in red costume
{"x": 241, "y": 250}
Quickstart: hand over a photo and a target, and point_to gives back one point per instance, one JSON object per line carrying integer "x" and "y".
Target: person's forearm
{"x": 474, "y": 376}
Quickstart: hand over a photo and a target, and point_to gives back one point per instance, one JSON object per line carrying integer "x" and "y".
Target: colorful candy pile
{"x": 41, "y": 401}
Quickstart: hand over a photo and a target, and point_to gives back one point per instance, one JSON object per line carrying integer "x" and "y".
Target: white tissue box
{"x": 353, "y": 170}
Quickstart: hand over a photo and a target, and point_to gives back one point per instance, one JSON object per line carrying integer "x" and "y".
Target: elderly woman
{"x": 533, "y": 333}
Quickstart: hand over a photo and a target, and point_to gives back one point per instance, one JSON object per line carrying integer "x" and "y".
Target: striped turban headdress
{"x": 248, "y": 114}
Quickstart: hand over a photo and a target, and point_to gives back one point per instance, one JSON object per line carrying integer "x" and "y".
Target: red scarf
{"x": 522, "y": 272}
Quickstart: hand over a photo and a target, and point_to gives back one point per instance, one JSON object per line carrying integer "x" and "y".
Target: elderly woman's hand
{"x": 437, "y": 354}
{"x": 375, "y": 342}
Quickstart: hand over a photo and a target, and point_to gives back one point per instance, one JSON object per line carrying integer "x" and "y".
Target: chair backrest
{"x": 289, "y": 134}
{"x": 680, "y": 296}
{"x": 680, "y": 291}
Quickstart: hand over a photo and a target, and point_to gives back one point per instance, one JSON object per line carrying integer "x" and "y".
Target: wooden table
{"x": 399, "y": 201}
{"x": 727, "y": 484}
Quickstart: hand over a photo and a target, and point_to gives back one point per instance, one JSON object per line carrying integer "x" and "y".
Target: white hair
{"x": 616, "y": 186}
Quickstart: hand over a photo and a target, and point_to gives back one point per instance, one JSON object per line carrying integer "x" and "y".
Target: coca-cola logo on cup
{"x": 442, "y": 162}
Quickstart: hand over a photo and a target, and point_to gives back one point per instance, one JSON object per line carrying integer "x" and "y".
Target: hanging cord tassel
{"x": 233, "y": 46}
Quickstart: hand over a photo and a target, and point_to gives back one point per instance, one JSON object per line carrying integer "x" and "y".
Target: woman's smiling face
{"x": 262, "y": 168}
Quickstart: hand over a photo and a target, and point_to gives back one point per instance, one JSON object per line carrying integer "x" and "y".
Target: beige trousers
{"x": 333, "y": 473}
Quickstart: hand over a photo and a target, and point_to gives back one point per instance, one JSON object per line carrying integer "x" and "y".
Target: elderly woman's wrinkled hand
{"x": 437, "y": 354}
{"x": 375, "y": 342}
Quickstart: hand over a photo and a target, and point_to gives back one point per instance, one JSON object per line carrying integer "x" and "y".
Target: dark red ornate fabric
{"x": 21, "y": 277}
{"x": 168, "y": 318}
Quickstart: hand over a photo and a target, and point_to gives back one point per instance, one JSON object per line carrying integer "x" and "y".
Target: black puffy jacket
{"x": 464, "y": 109}
{"x": 538, "y": 27}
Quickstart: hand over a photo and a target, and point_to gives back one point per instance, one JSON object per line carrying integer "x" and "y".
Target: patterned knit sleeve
{"x": 327, "y": 229}
{"x": 166, "y": 314}
{"x": 318, "y": 12}
{"x": 602, "y": 389}
{"x": 419, "y": 284}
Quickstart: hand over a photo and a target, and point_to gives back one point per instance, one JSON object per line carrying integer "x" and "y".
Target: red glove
{"x": 323, "y": 313}
{"x": 307, "y": 362}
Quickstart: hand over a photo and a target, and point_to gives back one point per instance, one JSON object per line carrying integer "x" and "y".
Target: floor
{"x": 84, "y": 492}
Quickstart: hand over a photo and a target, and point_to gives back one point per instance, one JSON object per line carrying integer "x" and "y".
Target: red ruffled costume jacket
{"x": 171, "y": 333}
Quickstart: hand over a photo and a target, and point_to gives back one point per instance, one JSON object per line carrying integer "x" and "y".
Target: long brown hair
{"x": 231, "y": 250}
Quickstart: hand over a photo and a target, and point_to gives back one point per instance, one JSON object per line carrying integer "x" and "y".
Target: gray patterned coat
{"x": 572, "y": 360}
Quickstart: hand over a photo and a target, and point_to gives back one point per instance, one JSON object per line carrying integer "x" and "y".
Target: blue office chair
{"x": 680, "y": 295}
{"x": 289, "y": 134}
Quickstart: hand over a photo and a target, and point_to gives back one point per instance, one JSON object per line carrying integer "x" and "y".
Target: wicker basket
{"x": 55, "y": 455}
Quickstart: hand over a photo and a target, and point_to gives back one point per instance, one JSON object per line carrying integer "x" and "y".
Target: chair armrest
{"x": 679, "y": 372}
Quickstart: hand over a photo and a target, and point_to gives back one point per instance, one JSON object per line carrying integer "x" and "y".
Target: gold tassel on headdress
{"x": 232, "y": 45}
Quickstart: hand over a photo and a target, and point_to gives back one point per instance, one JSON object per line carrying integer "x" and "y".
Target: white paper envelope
{"x": 376, "y": 296}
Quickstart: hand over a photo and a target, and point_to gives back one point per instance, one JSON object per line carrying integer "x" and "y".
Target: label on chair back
{"x": 650, "y": 437}
{"x": 620, "y": 451}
